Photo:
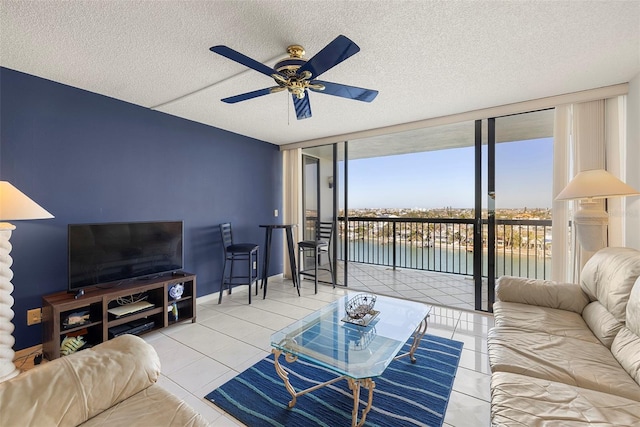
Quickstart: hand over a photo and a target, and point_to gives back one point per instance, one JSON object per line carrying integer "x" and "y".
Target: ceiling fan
{"x": 298, "y": 75}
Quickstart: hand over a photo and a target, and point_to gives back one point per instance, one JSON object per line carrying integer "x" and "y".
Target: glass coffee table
{"x": 329, "y": 338}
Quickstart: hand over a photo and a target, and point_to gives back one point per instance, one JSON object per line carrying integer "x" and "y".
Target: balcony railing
{"x": 523, "y": 247}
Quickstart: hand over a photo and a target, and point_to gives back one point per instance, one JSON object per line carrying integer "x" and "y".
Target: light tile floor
{"x": 228, "y": 338}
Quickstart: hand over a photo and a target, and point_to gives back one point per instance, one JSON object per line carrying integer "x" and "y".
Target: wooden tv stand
{"x": 97, "y": 300}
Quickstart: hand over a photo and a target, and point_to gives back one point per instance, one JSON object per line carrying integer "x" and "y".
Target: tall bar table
{"x": 267, "y": 254}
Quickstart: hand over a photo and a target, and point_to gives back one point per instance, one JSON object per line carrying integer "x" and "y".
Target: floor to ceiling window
{"x": 411, "y": 206}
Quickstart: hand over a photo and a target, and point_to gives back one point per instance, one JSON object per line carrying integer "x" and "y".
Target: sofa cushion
{"x": 517, "y": 400}
{"x": 633, "y": 309}
{"x": 626, "y": 350}
{"x": 626, "y": 345}
{"x": 608, "y": 277}
{"x": 543, "y": 319}
{"x": 556, "y": 358}
{"x": 153, "y": 406}
{"x": 26, "y": 400}
{"x": 122, "y": 367}
{"x": 543, "y": 293}
{"x": 601, "y": 322}
{"x": 70, "y": 390}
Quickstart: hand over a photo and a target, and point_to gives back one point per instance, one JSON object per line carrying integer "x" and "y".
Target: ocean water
{"x": 449, "y": 259}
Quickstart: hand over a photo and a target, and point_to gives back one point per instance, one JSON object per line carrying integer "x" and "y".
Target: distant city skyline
{"x": 436, "y": 179}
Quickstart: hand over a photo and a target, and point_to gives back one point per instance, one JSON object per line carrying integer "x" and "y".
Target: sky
{"x": 437, "y": 179}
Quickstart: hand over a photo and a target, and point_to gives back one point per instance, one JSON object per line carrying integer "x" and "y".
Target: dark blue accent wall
{"x": 89, "y": 158}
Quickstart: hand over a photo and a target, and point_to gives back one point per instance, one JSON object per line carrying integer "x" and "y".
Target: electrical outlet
{"x": 275, "y": 213}
{"x": 34, "y": 316}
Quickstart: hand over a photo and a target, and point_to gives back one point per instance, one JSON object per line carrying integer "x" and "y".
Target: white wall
{"x": 633, "y": 163}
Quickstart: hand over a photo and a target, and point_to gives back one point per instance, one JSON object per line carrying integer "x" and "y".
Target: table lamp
{"x": 591, "y": 220}
{"x": 14, "y": 205}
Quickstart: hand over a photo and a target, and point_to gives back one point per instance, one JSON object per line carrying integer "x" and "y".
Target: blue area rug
{"x": 405, "y": 395}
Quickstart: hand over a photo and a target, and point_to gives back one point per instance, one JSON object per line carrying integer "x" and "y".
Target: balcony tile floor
{"x": 451, "y": 290}
{"x": 228, "y": 338}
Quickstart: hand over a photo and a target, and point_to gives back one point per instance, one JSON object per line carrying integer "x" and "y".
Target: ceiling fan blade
{"x": 331, "y": 55}
{"x": 238, "y": 57}
{"x": 303, "y": 107}
{"x": 351, "y": 92}
{"x": 253, "y": 94}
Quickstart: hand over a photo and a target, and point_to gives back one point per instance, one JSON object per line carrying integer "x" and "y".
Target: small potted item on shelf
{"x": 176, "y": 291}
{"x": 77, "y": 318}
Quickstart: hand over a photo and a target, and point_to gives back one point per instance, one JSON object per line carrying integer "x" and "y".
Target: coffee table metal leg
{"x": 417, "y": 337}
{"x": 283, "y": 374}
{"x": 290, "y": 358}
{"x": 354, "y": 385}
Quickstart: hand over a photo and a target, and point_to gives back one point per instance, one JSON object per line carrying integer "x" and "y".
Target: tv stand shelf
{"x": 135, "y": 316}
{"x": 97, "y": 300}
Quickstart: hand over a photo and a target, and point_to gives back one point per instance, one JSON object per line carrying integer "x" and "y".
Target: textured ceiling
{"x": 427, "y": 59}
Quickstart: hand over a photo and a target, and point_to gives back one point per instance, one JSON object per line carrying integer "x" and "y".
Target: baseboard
{"x": 207, "y": 298}
{"x": 214, "y": 296}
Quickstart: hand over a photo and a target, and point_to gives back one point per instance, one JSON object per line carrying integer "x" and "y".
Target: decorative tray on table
{"x": 363, "y": 321}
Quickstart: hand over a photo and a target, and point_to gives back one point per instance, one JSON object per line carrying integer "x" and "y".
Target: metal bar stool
{"x": 247, "y": 252}
{"x": 320, "y": 245}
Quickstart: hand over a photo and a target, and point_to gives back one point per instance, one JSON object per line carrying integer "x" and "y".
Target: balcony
{"x": 431, "y": 259}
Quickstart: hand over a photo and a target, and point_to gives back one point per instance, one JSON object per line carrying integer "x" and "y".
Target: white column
{"x": 632, "y": 204}
{"x": 615, "y": 114}
{"x": 560, "y": 245}
{"x": 291, "y": 198}
{"x": 589, "y": 137}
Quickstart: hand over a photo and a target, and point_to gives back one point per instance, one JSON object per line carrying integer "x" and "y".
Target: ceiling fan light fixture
{"x": 295, "y": 74}
{"x": 297, "y": 91}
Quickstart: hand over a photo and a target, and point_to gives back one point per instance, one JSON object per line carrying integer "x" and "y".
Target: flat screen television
{"x": 112, "y": 252}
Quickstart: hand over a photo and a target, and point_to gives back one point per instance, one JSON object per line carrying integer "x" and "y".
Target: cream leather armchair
{"x": 111, "y": 384}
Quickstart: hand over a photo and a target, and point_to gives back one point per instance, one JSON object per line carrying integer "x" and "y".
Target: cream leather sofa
{"x": 567, "y": 354}
{"x": 111, "y": 384}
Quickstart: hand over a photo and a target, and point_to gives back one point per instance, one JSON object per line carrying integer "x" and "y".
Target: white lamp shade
{"x": 595, "y": 184}
{"x": 15, "y": 205}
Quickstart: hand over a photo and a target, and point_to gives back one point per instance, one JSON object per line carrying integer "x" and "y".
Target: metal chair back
{"x": 324, "y": 231}
{"x": 227, "y": 237}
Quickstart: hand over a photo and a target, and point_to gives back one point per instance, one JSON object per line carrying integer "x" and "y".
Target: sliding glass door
{"x": 324, "y": 200}
{"x": 514, "y": 175}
